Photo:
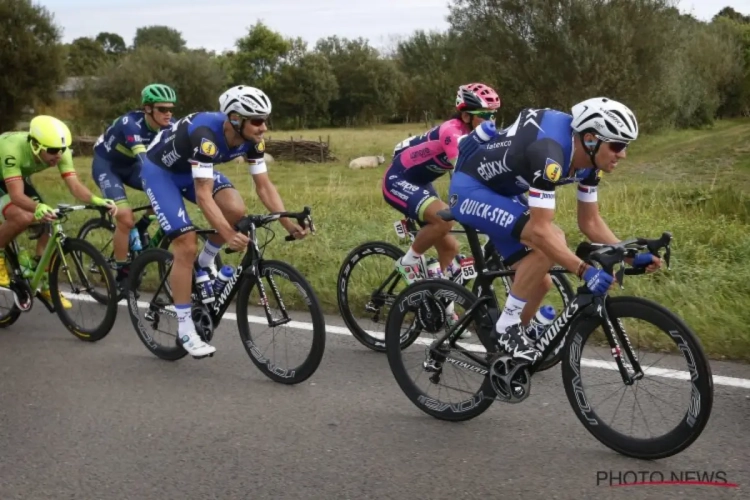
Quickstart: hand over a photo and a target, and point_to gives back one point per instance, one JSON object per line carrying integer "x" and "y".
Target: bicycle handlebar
{"x": 303, "y": 218}
{"x": 607, "y": 256}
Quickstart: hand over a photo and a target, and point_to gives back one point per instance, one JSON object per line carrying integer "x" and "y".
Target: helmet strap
{"x": 591, "y": 148}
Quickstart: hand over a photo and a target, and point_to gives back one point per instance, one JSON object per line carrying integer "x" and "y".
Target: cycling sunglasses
{"x": 164, "y": 109}
{"x": 485, "y": 115}
{"x": 256, "y": 122}
{"x": 54, "y": 151}
{"x": 614, "y": 146}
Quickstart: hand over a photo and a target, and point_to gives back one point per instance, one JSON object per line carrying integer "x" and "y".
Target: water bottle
{"x": 135, "y": 240}
{"x": 203, "y": 283}
{"x": 27, "y": 263}
{"x": 225, "y": 274}
{"x": 543, "y": 317}
{"x": 433, "y": 269}
{"x": 484, "y": 132}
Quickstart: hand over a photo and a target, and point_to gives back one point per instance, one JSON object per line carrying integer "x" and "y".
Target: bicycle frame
{"x": 584, "y": 305}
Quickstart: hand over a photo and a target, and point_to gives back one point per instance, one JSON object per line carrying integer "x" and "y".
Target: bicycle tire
{"x": 171, "y": 353}
{"x": 74, "y": 245}
{"x": 481, "y": 400}
{"x": 351, "y": 260}
{"x": 86, "y": 229}
{"x": 312, "y": 362}
{"x": 690, "y": 427}
{"x": 14, "y": 312}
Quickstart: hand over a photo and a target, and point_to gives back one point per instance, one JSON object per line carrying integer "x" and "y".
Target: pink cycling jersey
{"x": 424, "y": 158}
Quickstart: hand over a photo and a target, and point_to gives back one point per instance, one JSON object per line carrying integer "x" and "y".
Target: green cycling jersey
{"x": 17, "y": 161}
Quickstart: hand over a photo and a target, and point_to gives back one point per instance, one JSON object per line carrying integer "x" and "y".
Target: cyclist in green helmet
{"x": 118, "y": 157}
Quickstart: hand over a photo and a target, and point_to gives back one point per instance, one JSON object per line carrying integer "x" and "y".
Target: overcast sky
{"x": 216, "y": 24}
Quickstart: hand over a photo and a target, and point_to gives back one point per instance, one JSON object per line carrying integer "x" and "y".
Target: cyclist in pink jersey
{"x": 418, "y": 161}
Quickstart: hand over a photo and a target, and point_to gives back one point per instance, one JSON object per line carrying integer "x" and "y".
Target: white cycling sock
{"x": 411, "y": 257}
{"x": 208, "y": 254}
{"x": 185, "y": 324}
{"x": 511, "y": 313}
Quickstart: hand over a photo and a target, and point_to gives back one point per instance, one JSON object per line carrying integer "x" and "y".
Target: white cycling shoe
{"x": 195, "y": 346}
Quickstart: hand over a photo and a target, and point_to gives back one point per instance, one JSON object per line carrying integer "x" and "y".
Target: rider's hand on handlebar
{"x": 105, "y": 202}
{"x": 294, "y": 229}
{"x": 44, "y": 213}
{"x": 238, "y": 241}
{"x": 651, "y": 262}
{"x": 597, "y": 280}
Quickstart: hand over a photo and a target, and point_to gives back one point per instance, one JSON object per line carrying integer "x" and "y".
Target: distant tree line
{"x": 672, "y": 69}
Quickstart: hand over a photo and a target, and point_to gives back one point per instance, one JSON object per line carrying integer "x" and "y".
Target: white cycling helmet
{"x": 607, "y": 119}
{"x": 247, "y": 102}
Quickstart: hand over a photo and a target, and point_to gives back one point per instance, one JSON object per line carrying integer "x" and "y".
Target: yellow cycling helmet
{"x": 47, "y": 132}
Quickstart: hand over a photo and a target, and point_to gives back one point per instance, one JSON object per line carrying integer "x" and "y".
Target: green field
{"x": 693, "y": 183}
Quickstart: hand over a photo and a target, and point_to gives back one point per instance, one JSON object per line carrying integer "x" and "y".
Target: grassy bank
{"x": 692, "y": 183}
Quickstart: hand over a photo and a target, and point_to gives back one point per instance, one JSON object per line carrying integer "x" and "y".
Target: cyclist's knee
{"x": 185, "y": 246}
{"x": 231, "y": 204}
{"x": 546, "y": 284}
{"x": 124, "y": 217}
{"x": 17, "y": 217}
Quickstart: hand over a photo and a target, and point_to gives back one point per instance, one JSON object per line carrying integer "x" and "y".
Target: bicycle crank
{"x": 21, "y": 295}
{"x": 510, "y": 380}
{"x": 204, "y": 325}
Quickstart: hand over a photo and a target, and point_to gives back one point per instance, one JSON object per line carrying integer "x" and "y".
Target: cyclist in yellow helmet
{"x": 22, "y": 154}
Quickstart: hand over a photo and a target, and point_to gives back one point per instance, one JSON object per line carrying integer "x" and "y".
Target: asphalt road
{"x": 110, "y": 421}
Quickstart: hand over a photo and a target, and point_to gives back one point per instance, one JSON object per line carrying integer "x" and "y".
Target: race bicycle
{"x": 100, "y": 232}
{"x": 247, "y": 277}
{"x": 362, "y": 306}
{"x": 69, "y": 255}
{"x": 421, "y": 307}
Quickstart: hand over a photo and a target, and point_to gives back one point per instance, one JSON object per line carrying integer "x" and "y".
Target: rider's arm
{"x": 202, "y": 162}
{"x": 449, "y": 135}
{"x": 265, "y": 189}
{"x": 590, "y": 221}
{"x": 131, "y": 131}
{"x": 14, "y": 179}
{"x": 68, "y": 173}
{"x": 545, "y": 168}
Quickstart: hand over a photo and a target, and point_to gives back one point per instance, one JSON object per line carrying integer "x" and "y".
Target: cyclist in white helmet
{"x": 180, "y": 165}
{"x": 543, "y": 149}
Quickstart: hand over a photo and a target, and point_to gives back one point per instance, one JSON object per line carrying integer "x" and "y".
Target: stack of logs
{"x": 295, "y": 150}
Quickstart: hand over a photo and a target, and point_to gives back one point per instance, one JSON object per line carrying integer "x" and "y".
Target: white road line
{"x": 741, "y": 383}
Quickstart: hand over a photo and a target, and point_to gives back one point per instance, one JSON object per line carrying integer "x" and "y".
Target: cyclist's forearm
{"x": 553, "y": 245}
{"x": 78, "y": 190}
{"x": 597, "y": 231}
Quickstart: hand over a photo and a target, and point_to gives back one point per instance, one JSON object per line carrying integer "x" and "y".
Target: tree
{"x": 112, "y": 43}
{"x": 85, "y": 57}
{"x": 303, "y": 92}
{"x": 259, "y": 56}
{"x": 194, "y": 75}
{"x": 159, "y": 37}
{"x": 31, "y": 58}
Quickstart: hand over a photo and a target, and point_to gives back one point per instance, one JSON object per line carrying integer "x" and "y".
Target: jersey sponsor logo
{"x": 407, "y": 186}
{"x": 453, "y": 200}
{"x": 134, "y": 138}
{"x": 541, "y": 195}
{"x": 489, "y": 169}
{"x": 552, "y": 170}
{"x": 260, "y": 147}
{"x": 486, "y": 211}
{"x": 495, "y": 145}
{"x": 169, "y": 159}
{"x": 420, "y": 153}
{"x": 208, "y": 148}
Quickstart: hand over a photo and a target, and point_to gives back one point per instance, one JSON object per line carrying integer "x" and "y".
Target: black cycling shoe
{"x": 517, "y": 345}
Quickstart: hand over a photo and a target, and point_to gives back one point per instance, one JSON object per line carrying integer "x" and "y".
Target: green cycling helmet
{"x": 157, "y": 92}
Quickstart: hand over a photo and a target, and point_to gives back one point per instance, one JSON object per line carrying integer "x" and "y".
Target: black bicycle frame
{"x": 584, "y": 305}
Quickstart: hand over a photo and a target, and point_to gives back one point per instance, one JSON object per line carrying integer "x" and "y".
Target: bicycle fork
{"x": 264, "y": 302}
{"x": 613, "y": 332}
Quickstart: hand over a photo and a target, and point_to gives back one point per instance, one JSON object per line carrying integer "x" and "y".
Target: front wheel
{"x": 594, "y": 384}
{"x": 272, "y": 360}
{"x": 77, "y": 258}
{"x": 365, "y": 296}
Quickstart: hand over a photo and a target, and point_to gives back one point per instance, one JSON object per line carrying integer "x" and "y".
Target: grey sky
{"x": 216, "y": 24}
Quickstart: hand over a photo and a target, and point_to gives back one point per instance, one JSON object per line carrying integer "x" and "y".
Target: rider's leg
{"x": 230, "y": 202}
{"x": 438, "y": 234}
{"x": 111, "y": 184}
{"x": 15, "y": 221}
{"x": 164, "y": 192}
{"x": 503, "y": 219}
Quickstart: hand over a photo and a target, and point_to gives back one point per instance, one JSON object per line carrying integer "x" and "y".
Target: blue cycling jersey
{"x": 197, "y": 142}
{"x": 533, "y": 155}
{"x": 128, "y": 136}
